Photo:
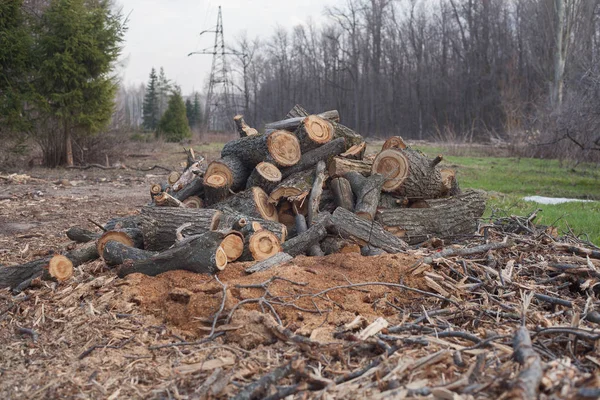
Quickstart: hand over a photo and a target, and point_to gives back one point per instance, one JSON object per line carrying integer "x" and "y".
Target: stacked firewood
{"x": 302, "y": 187}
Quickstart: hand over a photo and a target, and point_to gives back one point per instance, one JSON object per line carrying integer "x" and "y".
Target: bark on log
{"x": 313, "y": 132}
{"x": 243, "y": 128}
{"x": 296, "y": 187}
{"x": 259, "y": 243}
{"x": 203, "y": 254}
{"x": 280, "y": 146}
{"x": 296, "y": 112}
{"x": 342, "y": 193}
{"x": 303, "y": 241}
{"x": 301, "y": 227}
{"x": 349, "y": 225}
{"x": 81, "y": 235}
{"x": 387, "y": 200}
{"x": 132, "y": 237}
{"x": 271, "y": 262}
{"x": 216, "y": 189}
{"x": 231, "y": 220}
{"x": 193, "y": 202}
{"x": 156, "y": 189}
{"x": 164, "y": 199}
{"x": 409, "y": 173}
{"x": 291, "y": 124}
{"x": 253, "y": 202}
{"x": 445, "y": 218}
{"x": 116, "y": 253}
{"x": 334, "y": 245}
{"x": 339, "y": 166}
{"x": 356, "y": 152}
{"x": 194, "y": 188}
{"x": 187, "y": 177}
{"x": 265, "y": 175}
{"x": 131, "y": 221}
{"x": 159, "y": 224}
{"x": 395, "y": 142}
{"x": 311, "y": 158}
{"x": 314, "y": 199}
{"x": 351, "y": 138}
{"x": 13, "y": 276}
{"x": 367, "y": 192}
{"x": 233, "y": 169}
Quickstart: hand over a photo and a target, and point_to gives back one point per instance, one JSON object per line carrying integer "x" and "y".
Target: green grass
{"x": 508, "y": 180}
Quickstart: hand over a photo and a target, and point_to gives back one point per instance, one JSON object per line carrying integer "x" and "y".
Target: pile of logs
{"x": 302, "y": 187}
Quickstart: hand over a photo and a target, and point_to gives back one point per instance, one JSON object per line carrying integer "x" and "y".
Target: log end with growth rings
{"x": 118, "y": 236}
{"x": 263, "y": 244}
{"x": 173, "y": 177}
{"x": 395, "y": 142}
{"x": 318, "y": 129}
{"x": 193, "y": 202}
{"x": 266, "y": 209}
{"x": 284, "y": 148}
{"x": 393, "y": 165}
{"x": 218, "y": 168}
{"x": 269, "y": 172}
{"x": 220, "y": 258}
{"x": 60, "y": 268}
{"x": 233, "y": 244}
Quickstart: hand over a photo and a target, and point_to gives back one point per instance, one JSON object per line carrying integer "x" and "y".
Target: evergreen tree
{"x": 77, "y": 44}
{"x": 189, "y": 112}
{"x": 150, "y": 113}
{"x": 163, "y": 88}
{"x": 174, "y": 124}
{"x": 197, "y": 111}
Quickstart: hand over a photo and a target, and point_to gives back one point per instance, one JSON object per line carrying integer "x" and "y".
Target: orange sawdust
{"x": 190, "y": 301}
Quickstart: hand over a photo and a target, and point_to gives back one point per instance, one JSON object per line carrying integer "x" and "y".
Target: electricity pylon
{"x": 220, "y": 100}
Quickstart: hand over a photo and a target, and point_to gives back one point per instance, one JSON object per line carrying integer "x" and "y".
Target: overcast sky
{"x": 163, "y": 32}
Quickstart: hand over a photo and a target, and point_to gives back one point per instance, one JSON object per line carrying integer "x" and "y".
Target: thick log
{"x": 60, "y": 268}
{"x": 194, "y": 188}
{"x": 449, "y": 181}
{"x": 252, "y": 202}
{"x": 348, "y": 225}
{"x": 409, "y": 173}
{"x": 445, "y": 218}
{"x": 233, "y": 169}
{"x": 271, "y": 262}
{"x": 216, "y": 189}
{"x": 339, "y": 166}
{"x": 388, "y": 200}
{"x": 193, "y": 202}
{"x": 303, "y": 241}
{"x": 351, "y": 138}
{"x": 203, "y": 254}
{"x": 291, "y": 124}
{"x": 335, "y": 244}
{"x": 296, "y": 187}
{"x": 265, "y": 175}
{"x": 296, "y": 112}
{"x": 130, "y": 221}
{"x": 282, "y": 147}
{"x": 342, "y": 193}
{"x": 313, "y": 132}
{"x": 12, "y": 277}
{"x": 301, "y": 227}
{"x": 173, "y": 177}
{"x": 314, "y": 200}
{"x": 187, "y": 177}
{"x": 81, "y": 235}
{"x": 132, "y": 237}
{"x": 395, "y": 142}
{"x": 235, "y": 220}
{"x": 159, "y": 224}
{"x": 356, "y": 152}
{"x": 367, "y": 192}
{"x": 243, "y": 128}
{"x": 164, "y": 199}
{"x": 233, "y": 244}
{"x": 116, "y": 253}
{"x": 311, "y": 158}
{"x": 259, "y": 243}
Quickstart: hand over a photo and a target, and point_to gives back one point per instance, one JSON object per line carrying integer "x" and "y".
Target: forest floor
{"x": 97, "y": 336}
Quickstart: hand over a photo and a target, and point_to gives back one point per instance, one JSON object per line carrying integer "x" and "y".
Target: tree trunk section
{"x": 231, "y": 220}
{"x": 164, "y": 199}
{"x": 265, "y": 175}
{"x": 445, "y": 218}
{"x": 305, "y": 240}
{"x": 216, "y": 189}
{"x": 311, "y": 158}
{"x": 243, "y": 128}
{"x": 367, "y": 192}
{"x": 271, "y": 262}
{"x": 314, "y": 200}
{"x": 116, "y": 253}
{"x": 351, "y": 138}
{"x": 281, "y": 147}
{"x": 132, "y": 237}
{"x": 395, "y": 142}
{"x": 193, "y": 202}
{"x": 301, "y": 227}
{"x": 291, "y": 124}
{"x": 342, "y": 193}
{"x": 203, "y": 254}
{"x": 253, "y": 202}
{"x": 297, "y": 112}
{"x": 259, "y": 243}
{"x": 194, "y": 188}
{"x": 81, "y": 235}
{"x": 294, "y": 188}
{"x": 234, "y": 170}
{"x": 313, "y": 132}
{"x": 339, "y": 166}
{"x": 356, "y": 152}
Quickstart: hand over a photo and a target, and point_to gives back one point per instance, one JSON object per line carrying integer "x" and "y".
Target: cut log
{"x": 356, "y": 152}
{"x": 395, "y": 142}
{"x": 280, "y": 146}
{"x": 291, "y": 124}
{"x": 296, "y": 187}
{"x": 203, "y": 254}
{"x": 313, "y": 132}
{"x": 193, "y": 202}
{"x": 194, "y": 188}
{"x": 301, "y": 227}
{"x": 285, "y": 212}
{"x": 271, "y": 262}
{"x": 314, "y": 199}
{"x": 60, "y": 268}
{"x": 131, "y": 237}
{"x": 351, "y": 138}
{"x": 265, "y": 175}
{"x": 235, "y": 220}
{"x": 445, "y": 218}
{"x": 233, "y": 244}
{"x": 367, "y": 192}
{"x": 81, "y": 235}
{"x": 252, "y": 202}
{"x": 388, "y": 200}
{"x": 342, "y": 193}
{"x": 164, "y": 199}
{"x": 334, "y": 245}
{"x": 156, "y": 189}
{"x": 327, "y": 202}
{"x": 409, "y": 173}
{"x": 187, "y": 177}
{"x": 243, "y": 128}
{"x": 233, "y": 169}
{"x": 173, "y": 177}
{"x": 296, "y": 112}
{"x": 348, "y": 225}
{"x": 116, "y": 253}
{"x": 449, "y": 181}
{"x": 159, "y": 224}
{"x": 340, "y": 166}
{"x": 305, "y": 240}
{"x": 12, "y": 277}
{"x": 216, "y": 189}
{"x": 311, "y": 158}
{"x": 131, "y": 221}
{"x": 259, "y": 244}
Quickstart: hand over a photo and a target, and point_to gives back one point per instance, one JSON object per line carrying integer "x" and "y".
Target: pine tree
{"x": 163, "y": 88}
{"x": 197, "y": 111}
{"x": 174, "y": 124}
{"x": 150, "y": 113}
{"x": 189, "y": 112}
